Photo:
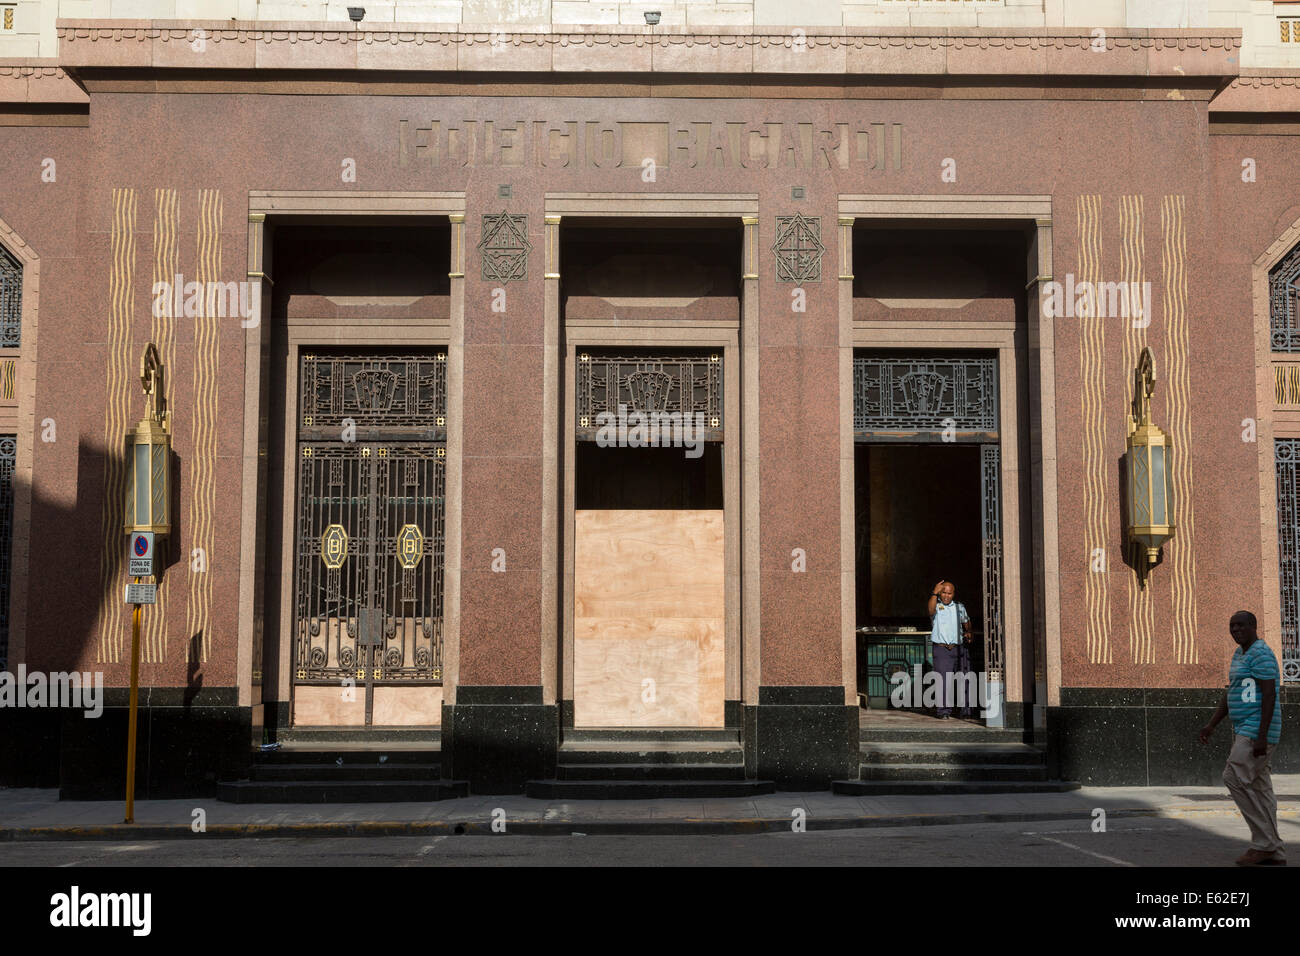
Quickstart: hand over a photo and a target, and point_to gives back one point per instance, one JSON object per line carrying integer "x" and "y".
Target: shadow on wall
{"x": 186, "y": 737}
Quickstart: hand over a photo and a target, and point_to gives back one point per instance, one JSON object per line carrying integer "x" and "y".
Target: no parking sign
{"x": 141, "y": 563}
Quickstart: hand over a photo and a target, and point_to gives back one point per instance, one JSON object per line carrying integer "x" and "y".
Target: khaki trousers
{"x": 1251, "y": 786}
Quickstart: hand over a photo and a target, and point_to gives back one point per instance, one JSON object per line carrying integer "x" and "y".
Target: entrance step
{"x": 641, "y": 734}
{"x": 938, "y": 761}
{"x": 958, "y": 732}
{"x": 368, "y": 736}
{"x": 918, "y": 772}
{"x": 640, "y": 763}
{"x": 344, "y": 772}
{"x": 881, "y": 788}
{"x": 650, "y": 771}
{"x": 955, "y": 754}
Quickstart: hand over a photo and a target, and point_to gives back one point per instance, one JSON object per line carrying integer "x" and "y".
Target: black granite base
{"x": 180, "y": 752}
{"x": 186, "y": 740}
{"x": 497, "y": 738}
{"x": 801, "y": 737}
{"x": 1108, "y": 737}
{"x": 29, "y": 747}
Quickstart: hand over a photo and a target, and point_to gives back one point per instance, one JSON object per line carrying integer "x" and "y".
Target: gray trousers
{"x": 1251, "y": 786}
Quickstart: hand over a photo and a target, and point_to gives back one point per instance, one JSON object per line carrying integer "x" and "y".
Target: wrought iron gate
{"x": 370, "y": 513}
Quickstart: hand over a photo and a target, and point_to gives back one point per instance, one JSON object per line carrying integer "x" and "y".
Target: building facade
{"x": 539, "y": 381}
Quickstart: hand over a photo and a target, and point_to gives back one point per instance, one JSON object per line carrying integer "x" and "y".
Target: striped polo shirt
{"x": 1245, "y": 701}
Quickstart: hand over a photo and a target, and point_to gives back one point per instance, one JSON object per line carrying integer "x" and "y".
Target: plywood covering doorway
{"x": 649, "y": 618}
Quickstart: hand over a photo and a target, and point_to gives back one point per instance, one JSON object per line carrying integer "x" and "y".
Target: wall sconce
{"x": 1149, "y": 472}
{"x": 652, "y": 17}
{"x": 356, "y": 14}
{"x": 149, "y": 444}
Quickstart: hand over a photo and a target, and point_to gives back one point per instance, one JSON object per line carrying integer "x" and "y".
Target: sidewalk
{"x": 40, "y": 815}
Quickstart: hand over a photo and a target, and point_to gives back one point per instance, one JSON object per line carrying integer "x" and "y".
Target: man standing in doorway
{"x": 949, "y": 641}
{"x": 1252, "y": 701}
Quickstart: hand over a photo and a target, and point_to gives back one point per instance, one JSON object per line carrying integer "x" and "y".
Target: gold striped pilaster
{"x": 1132, "y": 244}
{"x": 1182, "y": 550}
{"x": 163, "y": 334}
{"x": 204, "y": 423}
{"x": 117, "y": 393}
{"x": 1092, "y": 345}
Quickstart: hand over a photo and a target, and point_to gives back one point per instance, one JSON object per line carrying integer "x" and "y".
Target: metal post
{"x": 135, "y": 696}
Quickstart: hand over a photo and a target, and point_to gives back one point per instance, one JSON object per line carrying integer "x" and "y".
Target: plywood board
{"x": 407, "y": 707}
{"x": 649, "y": 619}
{"x": 329, "y": 706}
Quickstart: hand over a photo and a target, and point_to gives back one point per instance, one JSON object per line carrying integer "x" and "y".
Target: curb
{"x": 687, "y": 826}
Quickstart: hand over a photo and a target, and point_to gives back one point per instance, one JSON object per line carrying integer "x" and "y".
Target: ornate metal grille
{"x": 991, "y": 537}
{"x": 8, "y": 456}
{"x": 1286, "y": 453}
{"x": 374, "y": 396}
{"x": 370, "y": 525}
{"x": 650, "y": 385}
{"x": 1283, "y": 297}
{"x": 922, "y": 393}
{"x": 11, "y": 300}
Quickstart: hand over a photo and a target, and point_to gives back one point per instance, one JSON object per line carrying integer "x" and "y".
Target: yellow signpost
{"x": 148, "y": 498}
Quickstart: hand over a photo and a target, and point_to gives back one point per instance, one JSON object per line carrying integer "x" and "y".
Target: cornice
{"x": 1260, "y": 91}
{"x": 846, "y": 51}
{"x": 38, "y": 81}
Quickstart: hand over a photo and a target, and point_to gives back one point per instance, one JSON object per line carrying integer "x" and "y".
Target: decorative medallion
{"x": 650, "y": 390}
{"x": 410, "y": 546}
{"x": 375, "y": 388}
{"x": 504, "y": 247}
{"x": 334, "y": 546}
{"x": 798, "y": 249}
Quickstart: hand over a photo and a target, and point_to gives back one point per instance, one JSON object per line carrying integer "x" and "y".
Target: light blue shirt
{"x": 946, "y": 622}
{"x": 1245, "y": 700}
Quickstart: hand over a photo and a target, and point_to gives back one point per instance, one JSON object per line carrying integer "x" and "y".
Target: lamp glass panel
{"x": 1139, "y": 487}
{"x": 1169, "y": 485}
{"x": 1159, "y": 506}
{"x": 159, "y": 485}
{"x": 141, "y": 484}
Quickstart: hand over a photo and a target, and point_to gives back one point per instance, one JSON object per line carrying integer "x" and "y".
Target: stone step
{"x": 645, "y": 789}
{"x": 652, "y": 752}
{"x": 590, "y": 734}
{"x": 921, "y": 772}
{"x": 344, "y": 756}
{"x": 340, "y": 791}
{"x": 962, "y": 733}
{"x": 950, "y": 753}
{"x": 346, "y": 771}
{"x": 364, "y": 736}
{"x": 645, "y": 771}
{"x": 881, "y": 788}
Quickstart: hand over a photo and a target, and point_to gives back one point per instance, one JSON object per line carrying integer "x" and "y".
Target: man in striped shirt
{"x": 1253, "y": 703}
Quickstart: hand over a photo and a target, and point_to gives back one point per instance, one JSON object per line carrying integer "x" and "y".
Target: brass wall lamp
{"x": 1148, "y": 468}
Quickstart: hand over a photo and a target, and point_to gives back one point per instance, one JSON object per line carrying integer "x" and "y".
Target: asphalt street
{"x": 1213, "y": 839}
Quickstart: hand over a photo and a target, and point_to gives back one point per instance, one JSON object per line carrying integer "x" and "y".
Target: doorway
{"x": 927, "y": 487}
{"x": 649, "y": 606}
{"x": 368, "y": 546}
